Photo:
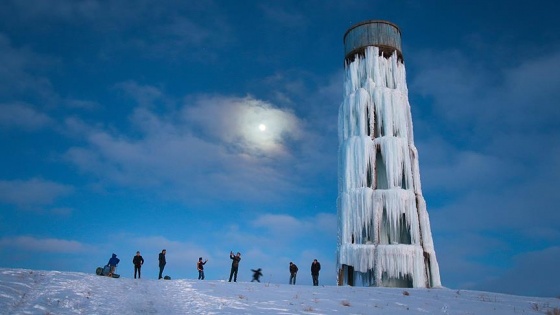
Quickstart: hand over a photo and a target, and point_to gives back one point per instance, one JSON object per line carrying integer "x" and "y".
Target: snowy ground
{"x": 52, "y": 292}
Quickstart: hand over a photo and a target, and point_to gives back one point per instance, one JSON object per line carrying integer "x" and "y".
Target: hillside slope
{"x": 52, "y": 292}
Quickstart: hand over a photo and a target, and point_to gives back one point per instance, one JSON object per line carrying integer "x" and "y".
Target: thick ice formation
{"x": 384, "y": 230}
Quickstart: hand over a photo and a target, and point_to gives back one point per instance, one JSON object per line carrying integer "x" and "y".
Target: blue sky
{"x": 130, "y": 127}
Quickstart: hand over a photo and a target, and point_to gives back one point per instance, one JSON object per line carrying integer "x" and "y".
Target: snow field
{"x": 53, "y": 292}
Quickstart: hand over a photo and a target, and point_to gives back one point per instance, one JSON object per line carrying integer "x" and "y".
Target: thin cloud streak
{"x": 33, "y": 244}
{"x": 32, "y": 194}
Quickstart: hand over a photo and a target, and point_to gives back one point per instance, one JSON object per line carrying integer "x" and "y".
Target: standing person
{"x": 137, "y": 261}
{"x": 315, "y": 267}
{"x": 113, "y": 262}
{"x": 200, "y": 267}
{"x": 234, "y": 265}
{"x": 293, "y": 273}
{"x": 256, "y": 275}
{"x": 162, "y": 263}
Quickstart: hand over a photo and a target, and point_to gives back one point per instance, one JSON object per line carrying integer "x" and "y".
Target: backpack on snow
{"x": 105, "y": 272}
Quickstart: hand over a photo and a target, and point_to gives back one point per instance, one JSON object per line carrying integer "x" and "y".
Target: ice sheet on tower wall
{"x": 384, "y": 228}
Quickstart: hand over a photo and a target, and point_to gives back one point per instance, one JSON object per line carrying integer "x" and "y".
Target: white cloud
{"x": 22, "y": 116}
{"x": 17, "y": 72}
{"x": 144, "y": 95}
{"x": 211, "y": 150}
{"x": 284, "y": 228}
{"x": 29, "y": 194}
{"x": 279, "y": 223}
{"x": 50, "y": 245}
{"x": 235, "y": 122}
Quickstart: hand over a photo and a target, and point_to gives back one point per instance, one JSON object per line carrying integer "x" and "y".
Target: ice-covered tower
{"x": 384, "y": 236}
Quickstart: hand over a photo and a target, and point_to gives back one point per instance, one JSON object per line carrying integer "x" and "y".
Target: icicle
{"x": 361, "y": 257}
{"x": 398, "y": 202}
{"x": 384, "y": 230}
{"x": 357, "y": 155}
{"x": 399, "y": 261}
{"x": 396, "y": 156}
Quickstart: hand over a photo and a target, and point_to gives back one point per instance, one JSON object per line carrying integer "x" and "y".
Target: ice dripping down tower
{"x": 384, "y": 236}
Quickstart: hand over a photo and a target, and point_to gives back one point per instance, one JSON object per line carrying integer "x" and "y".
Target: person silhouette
{"x": 162, "y": 263}
{"x": 315, "y": 268}
{"x": 234, "y": 265}
{"x": 200, "y": 267}
{"x": 256, "y": 274}
{"x": 137, "y": 261}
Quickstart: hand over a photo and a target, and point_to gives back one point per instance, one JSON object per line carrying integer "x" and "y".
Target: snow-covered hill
{"x": 52, "y": 292}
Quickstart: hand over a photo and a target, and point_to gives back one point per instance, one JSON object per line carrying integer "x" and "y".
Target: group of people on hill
{"x": 315, "y": 268}
{"x": 138, "y": 261}
{"x": 257, "y": 273}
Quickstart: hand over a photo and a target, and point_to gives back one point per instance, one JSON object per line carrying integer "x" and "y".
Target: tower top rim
{"x": 370, "y": 22}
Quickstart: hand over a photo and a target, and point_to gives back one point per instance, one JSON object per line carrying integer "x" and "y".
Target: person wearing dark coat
{"x": 234, "y": 265}
{"x": 137, "y": 261}
{"x": 293, "y": 273}
{"x": 200, "y": 266}
{"x": 315, "y": 268}
{"x": 113, "y": 262}
{"x": 256, "y": 274}
{"x": 162, "y": 263}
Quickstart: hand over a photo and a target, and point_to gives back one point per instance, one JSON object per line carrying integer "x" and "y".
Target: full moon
{"x": 262, "y": 127}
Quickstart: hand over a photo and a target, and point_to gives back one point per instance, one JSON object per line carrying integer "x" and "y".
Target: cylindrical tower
{"x": 384, "y": 235}
{"x": 382, "y": 34}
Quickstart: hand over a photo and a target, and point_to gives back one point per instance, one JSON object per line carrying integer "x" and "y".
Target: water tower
{"x": 384, "y": 236}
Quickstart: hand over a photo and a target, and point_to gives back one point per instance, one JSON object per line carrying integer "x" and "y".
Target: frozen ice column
{"x": 384, "y": 236}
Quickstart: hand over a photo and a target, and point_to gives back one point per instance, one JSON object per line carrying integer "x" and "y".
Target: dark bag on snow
{"x": 99, "y": 271}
